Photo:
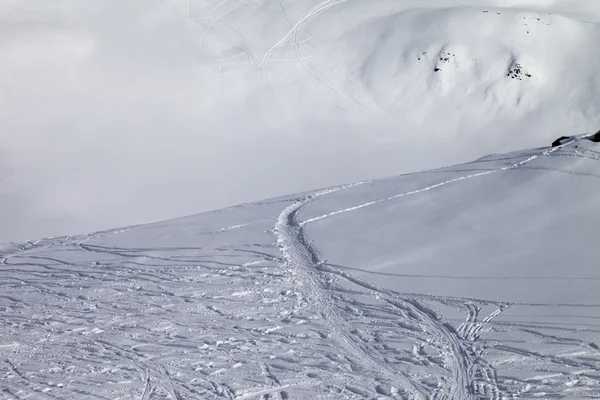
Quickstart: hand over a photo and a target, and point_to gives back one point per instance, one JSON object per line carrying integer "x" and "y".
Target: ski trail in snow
{"x": 190, "y": 17}
{"x": 462, "y": 359}
{"x": 464, "y": 355}
{"x": 147, "y": 390}
{"x": 303, "y": 262}
{"x": 291, "y": 36}
{"x": 473, "y": 376}
{"x": 484, "y": 379}
{"x": 437, "y": 185}
{"x": 252, "y": 59}
{"x": 293, "y": 31}
{"x": 6, "y": 179}
{"x": 314, "y": 72}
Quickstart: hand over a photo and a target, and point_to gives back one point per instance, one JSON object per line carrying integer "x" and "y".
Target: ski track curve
{"x": 252, "y": 59}
{"x": 309, "y": 15}
{"x": 302, "y": 259}
{"x": 472, "y": 376}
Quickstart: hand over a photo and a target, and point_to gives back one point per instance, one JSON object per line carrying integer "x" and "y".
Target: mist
{"x": 109, "y": 121}
{"x": 123, "y": 113}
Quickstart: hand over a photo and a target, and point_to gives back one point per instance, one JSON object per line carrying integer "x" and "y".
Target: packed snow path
{"x": 309, "y": 296}
{"x": 305, "y": 263}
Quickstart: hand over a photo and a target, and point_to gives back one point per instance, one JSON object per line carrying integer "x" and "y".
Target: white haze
{"x": 115, "y": 112}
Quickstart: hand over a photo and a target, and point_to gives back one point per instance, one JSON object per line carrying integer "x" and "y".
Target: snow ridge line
{"x": 437, "y": 185}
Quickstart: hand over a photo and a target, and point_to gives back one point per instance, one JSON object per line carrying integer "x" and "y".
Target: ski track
{"x": 437, "y": 185}
{"x": 291, "y": 37}
{"x": 243, "y": 47}
{"x": 471, "y": 376}
{"x": 303, "y": 263}
{"x": 314, "y": 72}
{"x": 6, "y": 179}
{"x": 299, "y": 25}
{"x": 259, "y": 66}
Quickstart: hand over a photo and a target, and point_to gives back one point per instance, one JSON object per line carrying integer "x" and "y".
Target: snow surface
{"x": 118, "y": 112}
{"x": 477, "y": 281}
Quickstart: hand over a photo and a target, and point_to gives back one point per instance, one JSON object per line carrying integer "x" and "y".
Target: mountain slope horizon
{"x": 476, "y": 281}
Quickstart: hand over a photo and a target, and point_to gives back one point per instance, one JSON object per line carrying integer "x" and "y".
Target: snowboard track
{"x": 471, "y": 376}
{"x": 303, "y": 260}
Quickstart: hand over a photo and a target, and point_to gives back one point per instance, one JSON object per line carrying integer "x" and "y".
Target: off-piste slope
{"x": 477, "y": 281}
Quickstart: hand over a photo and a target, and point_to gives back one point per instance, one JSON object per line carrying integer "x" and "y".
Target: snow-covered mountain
{"x": 477, "y": 281}
{"x": 122, "y": 111}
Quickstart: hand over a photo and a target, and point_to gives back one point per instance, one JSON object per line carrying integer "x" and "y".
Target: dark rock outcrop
{"x": 563, "y": 139}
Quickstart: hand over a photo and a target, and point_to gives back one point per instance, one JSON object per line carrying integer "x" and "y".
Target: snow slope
{"x": 477, "y": 281}
{"x": 110, "y": 109}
